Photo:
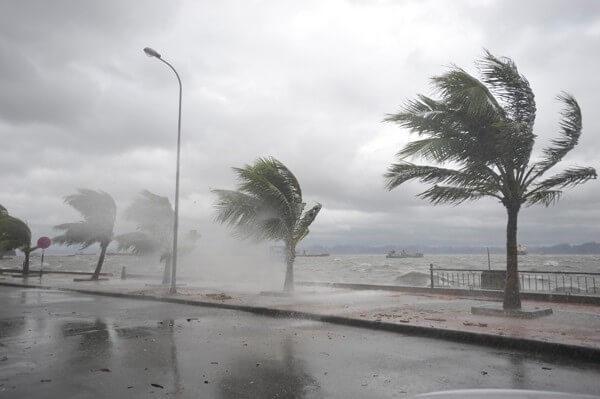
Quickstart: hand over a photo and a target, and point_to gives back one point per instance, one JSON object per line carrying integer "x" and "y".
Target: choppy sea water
{"x": 366, "y": 269}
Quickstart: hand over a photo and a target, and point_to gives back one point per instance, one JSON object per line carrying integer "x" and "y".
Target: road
{"x": 64, "y": 345}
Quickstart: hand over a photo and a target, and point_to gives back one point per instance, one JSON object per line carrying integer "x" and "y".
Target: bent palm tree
{"x": 480, "y": 132}
{"x": 153, "y": 216}
{"x": 267, "y": 206}
{"x": 15, "y": 234}
{"x": 99, "y": 212}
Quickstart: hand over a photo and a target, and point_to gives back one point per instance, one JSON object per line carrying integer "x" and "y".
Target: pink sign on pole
{"x": 44, "y": 242}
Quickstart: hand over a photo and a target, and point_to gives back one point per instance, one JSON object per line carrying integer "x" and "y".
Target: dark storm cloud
{"x": 307, "y": 82}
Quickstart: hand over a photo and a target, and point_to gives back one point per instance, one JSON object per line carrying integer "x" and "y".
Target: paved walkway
{"x": 570, "y": 324}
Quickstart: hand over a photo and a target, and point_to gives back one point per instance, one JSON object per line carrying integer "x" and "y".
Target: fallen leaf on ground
{"x": 220, "y": 296}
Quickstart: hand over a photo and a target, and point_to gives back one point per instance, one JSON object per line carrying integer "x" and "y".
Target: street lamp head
{"x": 151, "y": 52}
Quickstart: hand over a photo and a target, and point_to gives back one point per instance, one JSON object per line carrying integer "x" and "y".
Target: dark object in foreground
{"x": 493, "y": 279}
{"x": 77, "y": 280}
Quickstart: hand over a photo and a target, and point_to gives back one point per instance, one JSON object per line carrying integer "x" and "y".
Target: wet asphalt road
{"x": 63, "y": 345}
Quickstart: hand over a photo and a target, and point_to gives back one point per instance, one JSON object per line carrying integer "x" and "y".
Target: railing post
{"x": 431, "y": 274}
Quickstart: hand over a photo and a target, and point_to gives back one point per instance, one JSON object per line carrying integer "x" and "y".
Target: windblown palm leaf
{"x": 137, "y": 242}
{"x": 267, "y": 205}
{"x": 14, "y": 233}
{"x": 99, "y": 211}
{"x": 153, "y": 216}
{"x": 480, "y": 133}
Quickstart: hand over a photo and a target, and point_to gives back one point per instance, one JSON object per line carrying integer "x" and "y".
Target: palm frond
{"x": 544, "y": 197}
{"x": 450, "y": 194}
{"x": 153, "y": 215}
{"x": 263, "y": 181}
{"x": 14, "y": 233}
{"x": 567, "y": 178}
{"x": 236, "y": 208}
{"x": 267, "y": 203}
{"x": 464, "y": 92}
{"x": 430, "y": 148}
{"x": 512, "y": 88}
{"x": 309, "y": 216}
{"x": 570, "y": 131}
{"x": 402, "y": 172}
{"x": 77, "y": 233}
{"x": 98, "y": 210}
{"x": 96, "y": 207}
{"x": 137, "y": 242}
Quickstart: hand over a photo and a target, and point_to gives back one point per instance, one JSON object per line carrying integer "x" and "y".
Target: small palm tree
{"x": 154, "y": 217}
{"x": 480, "y": 132}
{"x": 267, "y": 205}
{"x": 15, "y": 234}
{"x": 99, "y": 212}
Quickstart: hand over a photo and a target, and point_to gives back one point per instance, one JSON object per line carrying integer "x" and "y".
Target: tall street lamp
{"x": 153, "y": 53}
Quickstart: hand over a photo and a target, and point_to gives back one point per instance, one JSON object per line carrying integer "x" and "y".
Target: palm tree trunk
{"x": 167, "y": 270}
{"x": 512, "y": 299}
{"x": 26, "y": 262}
{"x": 290, "y": 256}
{"x": 103, "y": 248}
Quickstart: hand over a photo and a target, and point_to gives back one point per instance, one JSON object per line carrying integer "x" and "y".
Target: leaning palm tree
{"x": 267, "y": 206}
{"x": 99, "y": 212}
{"x": 15, "y": 234}
{"x": 153, "y": 216}
{"x": 480, "y": 133}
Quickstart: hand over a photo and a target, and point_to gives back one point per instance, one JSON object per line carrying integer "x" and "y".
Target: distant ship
{"x": 403, "y": 254}
{"x": 304, "y": 254}
{"x": 521, "y": 249}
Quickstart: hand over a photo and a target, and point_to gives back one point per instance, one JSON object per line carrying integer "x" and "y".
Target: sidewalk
{"x": 573, "y": 329}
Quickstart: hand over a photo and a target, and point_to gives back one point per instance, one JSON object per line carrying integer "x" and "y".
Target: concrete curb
{"x": 534, "y": 296}
{"x": 470, "y": 337}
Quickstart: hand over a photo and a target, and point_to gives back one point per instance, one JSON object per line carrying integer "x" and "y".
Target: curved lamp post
{"x": 153, "y": 53}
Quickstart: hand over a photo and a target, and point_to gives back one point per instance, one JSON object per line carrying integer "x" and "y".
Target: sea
{"x": 365, "y": 269}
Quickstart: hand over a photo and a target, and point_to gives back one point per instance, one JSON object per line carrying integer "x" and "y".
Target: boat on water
{"x": 307, "y": 255}
{"x": 403, "y": 254}
{"x": 521, "y": 249}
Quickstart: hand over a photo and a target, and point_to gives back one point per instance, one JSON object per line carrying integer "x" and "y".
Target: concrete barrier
{"x": 488, "y": 294}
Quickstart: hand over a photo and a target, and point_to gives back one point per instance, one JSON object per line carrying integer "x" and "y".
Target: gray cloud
{"x": 307, "y": 82}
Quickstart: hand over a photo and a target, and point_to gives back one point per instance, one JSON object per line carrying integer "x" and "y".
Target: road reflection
{"x": 255, "y": 376}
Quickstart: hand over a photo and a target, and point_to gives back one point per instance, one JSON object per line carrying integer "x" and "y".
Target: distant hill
{"x": 588, "y": 248}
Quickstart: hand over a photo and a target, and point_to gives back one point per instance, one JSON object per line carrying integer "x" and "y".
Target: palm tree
{"x": 480, "y": 133}
{"x": 99, "y": 212}
{"x": 153, "y": 216}
{"x": 15, "y": 234}
{"x": 267, "y": 206}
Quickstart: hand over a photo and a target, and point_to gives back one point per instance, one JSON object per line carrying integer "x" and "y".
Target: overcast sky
{"x": 307, "y": 82}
